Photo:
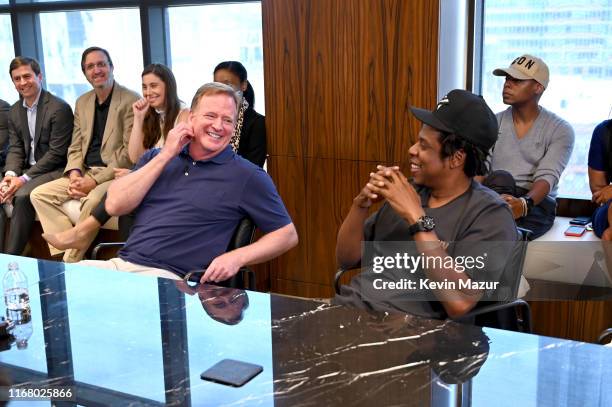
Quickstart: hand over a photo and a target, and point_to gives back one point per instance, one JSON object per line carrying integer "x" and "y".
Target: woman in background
{"x": 249, "y": 139}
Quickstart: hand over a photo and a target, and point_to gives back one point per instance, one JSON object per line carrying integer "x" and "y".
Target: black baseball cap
{"x": 464, "y": 114}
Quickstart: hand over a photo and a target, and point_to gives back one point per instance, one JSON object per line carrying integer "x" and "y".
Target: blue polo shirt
{"x": 190, "y": 213}
{"x": 597, "y": 151}
{"x": 597, "y": 161}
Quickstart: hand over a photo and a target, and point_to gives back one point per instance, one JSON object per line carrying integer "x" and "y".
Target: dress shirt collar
{"x": 35, "y": 104}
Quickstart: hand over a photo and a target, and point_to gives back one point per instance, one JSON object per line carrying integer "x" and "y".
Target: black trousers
{"x": 22, "y": 218}
{"x": 541, "y": 217}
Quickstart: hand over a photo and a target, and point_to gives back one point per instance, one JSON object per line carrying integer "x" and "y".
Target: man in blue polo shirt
{"x": 191, "y": 194}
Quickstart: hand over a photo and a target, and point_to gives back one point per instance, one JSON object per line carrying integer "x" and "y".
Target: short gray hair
{"x": 215, "y": 88}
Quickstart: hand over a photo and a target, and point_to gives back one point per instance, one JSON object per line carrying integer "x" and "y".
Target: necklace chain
{"x": 235, "y": 141}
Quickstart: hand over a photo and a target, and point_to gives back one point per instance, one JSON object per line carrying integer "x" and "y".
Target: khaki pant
{"x": 119, "y": 264}
{"x": 48, "y": 198}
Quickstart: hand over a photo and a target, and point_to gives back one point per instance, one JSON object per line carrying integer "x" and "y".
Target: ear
{"x": 457, "y": 160}
{"x": 243, "y": 86}
{"x": 539, "y": 89}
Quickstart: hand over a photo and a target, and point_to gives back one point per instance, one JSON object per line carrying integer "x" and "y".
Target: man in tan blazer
{"x": 102, "y": 124}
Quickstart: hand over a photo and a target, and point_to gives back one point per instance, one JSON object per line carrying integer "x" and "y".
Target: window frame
{"x": 567, "y": 206}
{"x": 155, "y": 43}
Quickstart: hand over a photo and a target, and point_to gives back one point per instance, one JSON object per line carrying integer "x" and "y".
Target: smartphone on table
{"x": 575, "y": 230}
{"x": 231, "y": 372}
{"x": 581, "y": 220}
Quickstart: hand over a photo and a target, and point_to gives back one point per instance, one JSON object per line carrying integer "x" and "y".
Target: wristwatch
{"x": 423, "y": 224}
{"x": 529, "y": 202}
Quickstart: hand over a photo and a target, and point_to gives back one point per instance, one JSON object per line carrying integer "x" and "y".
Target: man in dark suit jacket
{"x": 4, "y": 108}
{"x": 40, "y": 130}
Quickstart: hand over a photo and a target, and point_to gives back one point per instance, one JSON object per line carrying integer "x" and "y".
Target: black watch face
{"x": 428, "y": 223}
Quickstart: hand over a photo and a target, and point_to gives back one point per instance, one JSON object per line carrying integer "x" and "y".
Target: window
{"x": 579, "y": 76}
{"x": 65, "y": 35}
{"x": 6, "y": 44}
{"x": 203, "y": 36}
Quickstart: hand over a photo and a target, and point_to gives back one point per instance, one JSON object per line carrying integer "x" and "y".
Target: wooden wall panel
{"x": 289, "y": 175}
{"x": 284, "y": 36}
{"x": 340, "y": 77}
{"x": 344, "y": 73}
{"x": 576, "y": 320}
{"x": 329, "y": 187}
{"x": 332, "y": 184}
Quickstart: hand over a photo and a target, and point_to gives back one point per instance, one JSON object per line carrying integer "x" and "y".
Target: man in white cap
{"x": 533, "y": 147}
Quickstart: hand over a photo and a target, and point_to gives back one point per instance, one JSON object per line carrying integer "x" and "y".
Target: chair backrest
{"x": 506, "y": 317}
{"x": 243, "y": 235}
{"x": 513, "y": 271}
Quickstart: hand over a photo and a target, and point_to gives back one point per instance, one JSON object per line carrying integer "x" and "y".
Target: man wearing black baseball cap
{"x": 441, "y": 205}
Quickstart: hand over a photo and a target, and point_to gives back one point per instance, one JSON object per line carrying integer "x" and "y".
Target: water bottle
{"x": 22, "y": 331}
{"x": 15, "y": 285}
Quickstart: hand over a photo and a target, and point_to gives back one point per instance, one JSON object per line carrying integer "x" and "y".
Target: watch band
{"x": 423, "y": 224}
{"x": 529, "y": 202}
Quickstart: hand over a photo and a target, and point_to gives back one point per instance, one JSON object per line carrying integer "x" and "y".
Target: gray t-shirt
{"x": 542, "y": 153}
{"x": 478, "y": 215}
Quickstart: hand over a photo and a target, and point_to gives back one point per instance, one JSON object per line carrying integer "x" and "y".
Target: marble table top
{"x": 120, "y": 339}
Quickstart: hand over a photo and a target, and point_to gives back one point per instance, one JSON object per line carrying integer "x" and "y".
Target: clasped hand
{"x": 390, "y": 184}
{"x": 80, "y": 186}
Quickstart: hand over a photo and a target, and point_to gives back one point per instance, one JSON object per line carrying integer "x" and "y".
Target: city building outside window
{"x": 574, "y": 38}
{"x": 8, "y": 93}
{"x": 203, "y": 36}
{"x": 65, "y": 35}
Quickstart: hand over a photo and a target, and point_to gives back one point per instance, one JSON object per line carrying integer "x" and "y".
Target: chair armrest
{"x": 100, "y": 246}
{"x": 526, "y": 234}
{"x": 243, "y": 279}
{"x": 249, "y": 276}
{"x": 339, "y": 274}
{"x": 337, "y": 279}
{"x": 604, "y": 336}
{"x": 485, "y": 309}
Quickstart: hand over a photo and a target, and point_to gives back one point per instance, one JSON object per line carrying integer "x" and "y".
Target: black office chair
{"x": 605, "y": 337}
{"x": 243, "y": 236}
{"x": 513, "y": 314}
